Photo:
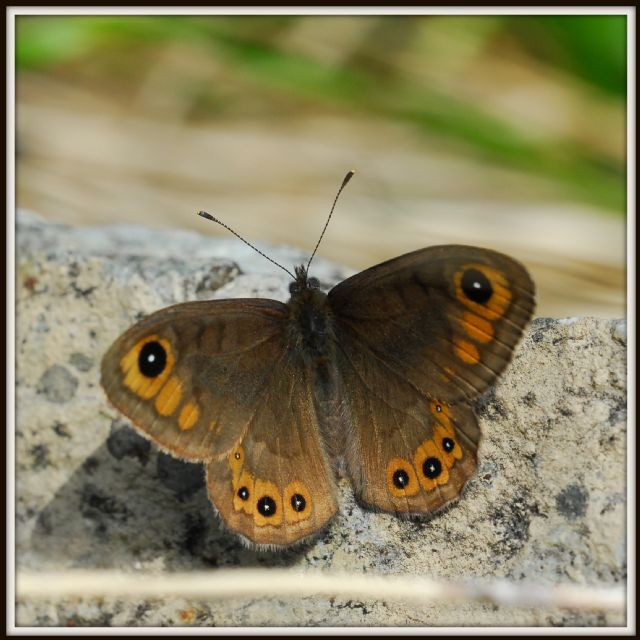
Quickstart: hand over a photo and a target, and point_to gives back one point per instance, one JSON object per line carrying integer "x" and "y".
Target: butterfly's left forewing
{"x": 417, "y": 338}
{"x": 447, "y": 318}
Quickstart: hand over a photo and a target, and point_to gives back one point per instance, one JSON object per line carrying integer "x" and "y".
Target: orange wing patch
{"x": 188, "y": 416}
{"x": 467, "y": 352}
{"x": 477, "y": 328}
{"x": 402, "y": 480}
{"x": 144, "y": 386}
{"x": 431, "y": 468}
{"x": 236, "y": 461}
{"x": 499, "y": 300}
{"x": 169, "y": 397}
{"x": 243, "y": 488}
{"x": 297, "y": 502}
{"x": 268, "y": 504}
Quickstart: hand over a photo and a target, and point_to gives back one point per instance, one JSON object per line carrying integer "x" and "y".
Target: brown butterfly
{"x": 373, "y": 379}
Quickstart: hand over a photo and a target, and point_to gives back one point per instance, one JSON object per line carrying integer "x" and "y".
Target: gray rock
{"x": 547, "y": 504}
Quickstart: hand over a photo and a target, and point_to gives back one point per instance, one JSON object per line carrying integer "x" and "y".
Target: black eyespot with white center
{"x": 243, "y": 493}
{"x": 476, "y": 286}
{"x": 152, "y": 359}
{"x": 266, "y": 506}
{"x": 298, "y": 503}
{"x": 448, "y": 444}
{"x": 432, "y": 468}
{"x": 400, "y": 478}
{"x": 438, "y": 409}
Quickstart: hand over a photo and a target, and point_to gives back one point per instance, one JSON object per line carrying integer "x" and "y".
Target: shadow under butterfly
{"x": 373, "y": 380}
{"x": 127, "y": 505}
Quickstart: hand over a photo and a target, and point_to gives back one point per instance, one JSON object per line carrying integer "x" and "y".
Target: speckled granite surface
{"x": 547, "y": 503}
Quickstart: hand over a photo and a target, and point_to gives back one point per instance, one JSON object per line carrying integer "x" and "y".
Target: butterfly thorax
{"x": 310, "y": 316}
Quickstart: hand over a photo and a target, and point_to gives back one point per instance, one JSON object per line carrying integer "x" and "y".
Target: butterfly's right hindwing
{"x": 282, "y": 488}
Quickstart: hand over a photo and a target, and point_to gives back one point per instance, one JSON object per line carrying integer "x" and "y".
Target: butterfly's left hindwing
{"x": 417, "y": 338}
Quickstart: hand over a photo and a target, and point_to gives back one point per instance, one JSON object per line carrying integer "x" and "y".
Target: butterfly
{"x": 373, "y": 380}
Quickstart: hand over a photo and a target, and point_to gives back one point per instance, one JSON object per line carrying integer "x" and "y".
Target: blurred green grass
{"x": 371, "y": 78}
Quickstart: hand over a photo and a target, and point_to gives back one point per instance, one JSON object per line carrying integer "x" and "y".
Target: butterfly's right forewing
{"x": 213, "y": 361}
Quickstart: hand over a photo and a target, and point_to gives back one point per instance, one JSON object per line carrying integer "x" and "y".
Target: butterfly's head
{"x": 302, "y": 282}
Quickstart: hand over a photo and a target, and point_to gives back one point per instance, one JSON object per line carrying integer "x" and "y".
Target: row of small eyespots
{"x": 147, "y": 367}
{"x": 263, "y": 500}
{"x": 402, "y": 479}
{"x": 432, "y": 459}
{"x": 444, "y": 431}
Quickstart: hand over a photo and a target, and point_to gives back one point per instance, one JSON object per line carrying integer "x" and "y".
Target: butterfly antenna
{"x": 326, "y": 224}
{"x": 208, "y": 216}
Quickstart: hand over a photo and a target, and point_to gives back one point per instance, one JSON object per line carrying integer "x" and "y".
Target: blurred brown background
{"x": 502, "y": 131}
